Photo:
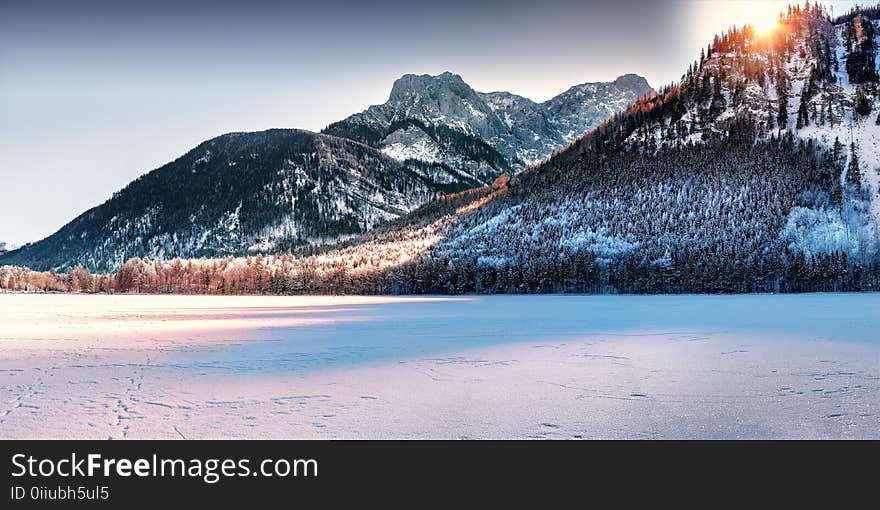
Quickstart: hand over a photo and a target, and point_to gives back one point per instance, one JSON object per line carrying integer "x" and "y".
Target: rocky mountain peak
{"x": 585, "y": 106}
{"x": 483, "y": 134}
{"x": 633, "y": 82}
{"x": 414, "y": 87}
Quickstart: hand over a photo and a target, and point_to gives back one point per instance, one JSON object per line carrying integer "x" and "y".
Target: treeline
{"x": 566, "y": 273}
{"x": 579, "y": 272}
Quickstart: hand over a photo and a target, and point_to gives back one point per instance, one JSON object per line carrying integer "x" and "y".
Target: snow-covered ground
{"x": 805, "y": 366}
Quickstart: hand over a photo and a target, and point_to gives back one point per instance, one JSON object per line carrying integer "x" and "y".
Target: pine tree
{"x": 836, "y": 150}
{"x": 836, "y": 192}
{"x": 782, "y": 90}
{"x": 832, "y": 163}
{"x": 862, "y": 103}
{"x": 853, "y": 172}
{"x": 718, "y": 103}
{"x": 803, "y": 117}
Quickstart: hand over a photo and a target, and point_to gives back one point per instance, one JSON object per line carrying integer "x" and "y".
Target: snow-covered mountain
{"x": 442, "y": 119}
{"x": 278, "y": 189}
{"x": 585, "y": 106}
{"x": 4, "y": 247}
{"x": 239, "y": 193}
{"x": 758, "y": 172}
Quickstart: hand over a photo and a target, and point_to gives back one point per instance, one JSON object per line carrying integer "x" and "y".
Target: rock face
{"x": 442, "y": 119}
{"x": 585, "y": 106}
{"x": 240, "y": 193}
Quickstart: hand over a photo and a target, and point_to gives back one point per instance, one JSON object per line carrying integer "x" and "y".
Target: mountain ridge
{"x": 411, "y": 129}
{"x": 239, "y": 192}
{"x": 522, "y": 131}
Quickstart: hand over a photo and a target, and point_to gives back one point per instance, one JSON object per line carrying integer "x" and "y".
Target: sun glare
{"x": 763, "y": 16}
{"x": 714, "y": 16}
{"x": 764, "y": 21}
{"x": 765, "y": 25}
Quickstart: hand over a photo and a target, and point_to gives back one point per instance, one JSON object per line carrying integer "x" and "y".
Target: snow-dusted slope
{"x": 531, "y": 133}
{"x": 583, "y": 107}
{"x": 852, "y": 127}
{"x": 813, "y": 78}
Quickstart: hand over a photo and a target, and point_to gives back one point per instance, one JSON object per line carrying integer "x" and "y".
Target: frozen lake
{"x": 758, "y": 366}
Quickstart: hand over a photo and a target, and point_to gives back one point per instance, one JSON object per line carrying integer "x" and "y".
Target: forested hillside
{"x": 238, "y": 193}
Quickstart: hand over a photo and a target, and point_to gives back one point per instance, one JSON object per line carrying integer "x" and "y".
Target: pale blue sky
{"x": 96, "y": 93}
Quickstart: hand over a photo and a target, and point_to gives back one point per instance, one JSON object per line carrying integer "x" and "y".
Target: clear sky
{"x": 96, "y": 93}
